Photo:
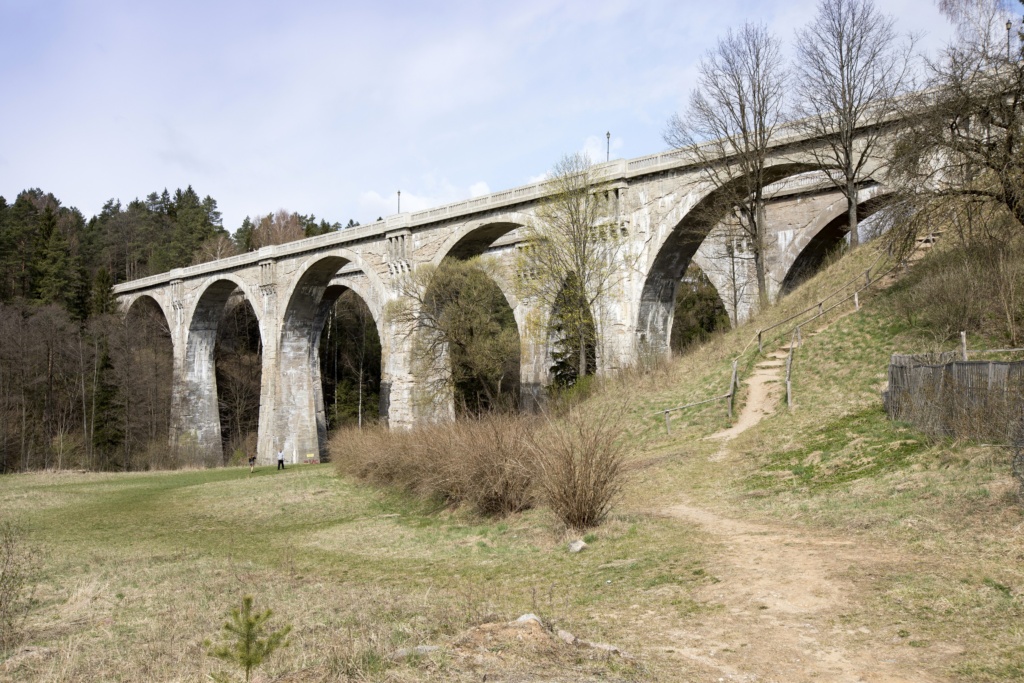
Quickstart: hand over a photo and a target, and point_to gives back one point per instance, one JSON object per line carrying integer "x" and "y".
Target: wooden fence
{"x": 943, "y": 396}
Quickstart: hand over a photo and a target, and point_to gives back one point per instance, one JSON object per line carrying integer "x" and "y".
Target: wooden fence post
{"x": 789, "y": 368}
{"x": 963, "y": 344}
{"x": 867, "y": 273}
{"x": 732, "y": 388}
{"x": 759, "y": 348}
{"x": 856, "y": 302}
{"x": 668, "y": 429}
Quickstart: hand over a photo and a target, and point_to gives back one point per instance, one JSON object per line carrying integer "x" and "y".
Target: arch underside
{"x": 144, "y": 301}
{"x": 824, "y": 242}
{"x": 657, "y": 299}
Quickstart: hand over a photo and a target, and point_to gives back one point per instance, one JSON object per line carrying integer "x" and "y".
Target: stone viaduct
{"x": 291, "y": 287}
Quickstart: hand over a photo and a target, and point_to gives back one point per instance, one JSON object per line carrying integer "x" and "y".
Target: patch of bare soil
{"x": 788, "y": 602}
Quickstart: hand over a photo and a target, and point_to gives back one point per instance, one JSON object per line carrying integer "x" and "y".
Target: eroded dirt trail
{"x": 785, "y": 609}
{"x": 762, "y": 395}
{"x": 785, "y": 600}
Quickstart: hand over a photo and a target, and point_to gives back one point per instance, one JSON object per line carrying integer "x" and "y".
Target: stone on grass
{"x": 577, "y": 545}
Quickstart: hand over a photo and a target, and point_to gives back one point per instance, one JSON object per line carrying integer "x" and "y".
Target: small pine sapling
{"x": 246, "y": 640}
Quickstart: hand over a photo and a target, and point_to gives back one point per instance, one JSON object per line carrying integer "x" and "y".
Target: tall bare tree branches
{"x": 850, "y": 68}
{"x": 573, "y": 254}
{"x": 959, "y": 161}
{"x": 734, "y": 112}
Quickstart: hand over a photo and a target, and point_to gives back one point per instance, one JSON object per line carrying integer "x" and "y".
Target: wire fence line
{"x": 795, "y": 333}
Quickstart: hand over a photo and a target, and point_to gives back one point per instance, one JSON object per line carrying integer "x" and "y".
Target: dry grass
{"x": 139, "y": 569}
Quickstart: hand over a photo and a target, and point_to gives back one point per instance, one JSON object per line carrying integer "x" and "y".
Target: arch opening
{"x": 350, "y": 357}
{"x": 698, "y": 312}
{"x": 132, "y": 433}
{"x": 238, "y": 364}
{"x": 468, "y": 344}
{"x": 670, "y": 264}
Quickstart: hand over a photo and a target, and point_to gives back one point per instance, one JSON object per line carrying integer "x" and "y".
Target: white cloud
{"x": 479, "y": 189}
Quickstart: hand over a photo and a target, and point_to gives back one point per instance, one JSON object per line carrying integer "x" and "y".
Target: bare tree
{"x": 959, "y": 161}
{"x": 573, "y": 255}
{"x": 734, "y": 112}
{"x": 278, "y": 228}
{"x": 213, "y": 248}
{"x": 850, "y": 69}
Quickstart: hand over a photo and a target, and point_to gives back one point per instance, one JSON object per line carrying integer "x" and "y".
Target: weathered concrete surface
{"x": 292, "y": 286}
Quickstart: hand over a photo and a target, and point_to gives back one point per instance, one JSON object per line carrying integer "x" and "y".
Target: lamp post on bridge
{"x": 608, "y": 148}
{"x": 399, "y": 201}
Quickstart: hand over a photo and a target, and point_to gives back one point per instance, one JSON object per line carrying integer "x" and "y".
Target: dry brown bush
{"x": 499, "y": 463}
{"x": 483, "y": 462}
{"x": 581, "y": 460}
{"x": 975, "y": 287}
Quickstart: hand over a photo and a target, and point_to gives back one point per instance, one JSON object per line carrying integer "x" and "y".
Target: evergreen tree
{"x": 243, "y": 236}
{"x": 57, "y": 270}
{"x": 108, "y": 433}
{"x": 102, "y": 301}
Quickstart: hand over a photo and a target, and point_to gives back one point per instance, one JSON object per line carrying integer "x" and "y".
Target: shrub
{"x": 482, "y": 462}
{"x": 581, "y": 461}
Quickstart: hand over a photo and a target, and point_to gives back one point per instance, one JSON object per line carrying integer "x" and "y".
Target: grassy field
{"x": 138, "y": 569}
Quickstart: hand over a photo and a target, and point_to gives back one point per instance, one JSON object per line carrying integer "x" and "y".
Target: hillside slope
{"x": 854, "y": 546}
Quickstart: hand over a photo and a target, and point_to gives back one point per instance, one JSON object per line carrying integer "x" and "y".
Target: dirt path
{"x": 786, "y": 599}
{"x": 782, "y": 607}
{"x": 762, "y": 395}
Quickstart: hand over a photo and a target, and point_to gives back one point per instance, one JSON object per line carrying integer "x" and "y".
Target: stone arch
{"x": 196, "y": 414}
{"x": 212, "y": 298}
{"x": 127, "y": 303}
{"x": 301, "y": 428}
{"x": 678, "y": 246}
{"x": 322, "y": 267}
{"x": 473, "y": 238}
{"x": 824, "y": 232}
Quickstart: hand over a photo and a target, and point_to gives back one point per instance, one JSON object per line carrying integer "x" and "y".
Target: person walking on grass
{"x": 280, "y": 458}
{"x": 252, "y": 463}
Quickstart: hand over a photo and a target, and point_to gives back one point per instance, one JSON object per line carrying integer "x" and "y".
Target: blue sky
{"x": 330, "y": 107}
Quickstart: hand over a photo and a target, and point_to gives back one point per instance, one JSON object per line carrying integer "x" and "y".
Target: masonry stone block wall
{"x": 291, "y": 287}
